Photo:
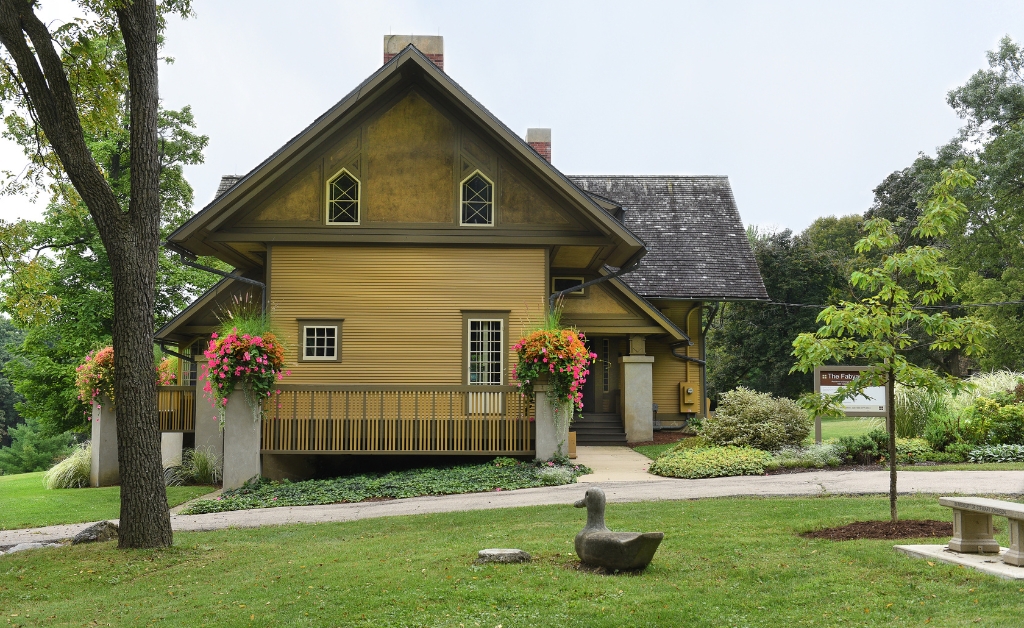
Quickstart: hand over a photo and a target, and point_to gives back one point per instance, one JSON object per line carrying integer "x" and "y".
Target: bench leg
{"x": 1014, "y": 556}
{"x": 972, "y": 533}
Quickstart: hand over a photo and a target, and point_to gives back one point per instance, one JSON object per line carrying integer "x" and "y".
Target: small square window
{"x": 320, "y": 341}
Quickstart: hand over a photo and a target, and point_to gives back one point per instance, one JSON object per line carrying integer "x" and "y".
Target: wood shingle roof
{"x": 697, "y": 246}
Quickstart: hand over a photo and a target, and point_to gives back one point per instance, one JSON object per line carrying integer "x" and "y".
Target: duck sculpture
{"x": 598, "y": 546}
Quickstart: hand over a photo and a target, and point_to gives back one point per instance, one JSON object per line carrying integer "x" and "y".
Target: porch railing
{"x": 397, "y": 420}
{"x": 176, "y": 408}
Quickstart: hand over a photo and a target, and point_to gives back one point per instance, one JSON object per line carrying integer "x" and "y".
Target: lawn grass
{"x": 724, "y": 562}
{"x": 26, "y": 503}
{"x": 964, "y": 466}
{"x": 837, "y": 428}
{"x": 653, "y": 451}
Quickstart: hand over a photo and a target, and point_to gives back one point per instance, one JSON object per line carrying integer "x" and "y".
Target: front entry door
{"x": 601, "y": 392}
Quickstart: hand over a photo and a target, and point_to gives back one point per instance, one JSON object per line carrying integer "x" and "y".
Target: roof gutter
{"x": 630, "y": 265}
{"x": 188, "y": 258}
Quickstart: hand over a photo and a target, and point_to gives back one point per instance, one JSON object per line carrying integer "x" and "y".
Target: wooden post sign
{"x": 829, "y": 379}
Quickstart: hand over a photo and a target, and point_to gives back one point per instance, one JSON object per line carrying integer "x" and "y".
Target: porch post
{"x": 208, "y": 434}
{"x": 552, "y": 435}
{"x": 104, "y": 470}
{"x": 637, "y": 392}
{"x": 170, "y": 448}
{"x": 241, "y": 442}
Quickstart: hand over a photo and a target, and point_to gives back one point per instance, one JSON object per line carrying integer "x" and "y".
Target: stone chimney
{"x": 540, "y": 141}
{"x": 432, "y": 47}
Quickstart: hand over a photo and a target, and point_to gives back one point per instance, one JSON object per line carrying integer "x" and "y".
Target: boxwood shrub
{"x": 711, "y": 462}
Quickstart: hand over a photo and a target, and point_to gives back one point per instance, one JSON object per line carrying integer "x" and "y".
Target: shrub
{"x": 997, "y": 419}
{"x": 997, "y": 453}
{"x": 30, "y": 450}
{"x": 555, "y": 476}
{"x": 712, "y": 462}
{"x": 73, "y": 471}
{"x": 811, "y": 457}
{"x": 861, "y": 449}
{"x": 913, "y": 408}
{"x": 911, "y": 450}
{"x": 749, "y": 418}
{"x": 198, "y": 466}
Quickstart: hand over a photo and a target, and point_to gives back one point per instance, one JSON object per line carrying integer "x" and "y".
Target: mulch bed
{"x": 906, "y": 529}
{"x": 660, "y": 438}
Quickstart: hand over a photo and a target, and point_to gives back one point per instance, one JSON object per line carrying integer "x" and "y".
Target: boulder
{"x": 26, "y": 546}
{"x": 502, "y": 556}
{"x": 97, "y": 533}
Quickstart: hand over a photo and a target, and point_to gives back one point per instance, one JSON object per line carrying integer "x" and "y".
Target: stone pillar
{"x": 104, "y": 471}
{"x": 241, "y": 442}
{"x": 552, "y": 435}
{"x": 208, "y": 433}
{"x": 637, "y": 397}
{"x": 170, "y": 448}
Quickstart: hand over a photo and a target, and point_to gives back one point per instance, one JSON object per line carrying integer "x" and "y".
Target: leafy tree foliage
{"x": 10, "y": 336}
{"x": 881, "y": 328}
{"x": 751, "y": 344}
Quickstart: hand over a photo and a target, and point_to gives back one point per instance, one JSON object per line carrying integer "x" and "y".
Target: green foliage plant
{"x": 748, "y": 418}
{"x": 198, "y": 467}
{"x": 31, "y": 449}
{"x": 878, "y": 330}
{"x": 73, "y": 471}
{"x": 711, "y": 462}
{"x": 860, "y": 449}
{"x": 810, "y": 457}
{"x": 914, "y": 406}
{"x": 997, "y": 453}
{"x": 997, "y": 419}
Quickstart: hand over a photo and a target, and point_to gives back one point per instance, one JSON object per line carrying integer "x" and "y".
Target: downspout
{"x": 630, "y": 265}
{"x": 163, "y": 347}
{"x": 189, "y": 259}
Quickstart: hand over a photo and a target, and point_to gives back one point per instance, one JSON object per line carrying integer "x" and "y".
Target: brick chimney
{"x": 540, "y": 141}
{"x": 432, "y": 47}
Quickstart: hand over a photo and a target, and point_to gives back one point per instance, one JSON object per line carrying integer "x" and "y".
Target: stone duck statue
{"x": 597, "y": 546}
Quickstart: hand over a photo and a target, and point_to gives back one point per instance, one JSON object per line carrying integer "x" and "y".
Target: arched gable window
{"x": 477, "y": 200}
{"x": 343, "y": 199}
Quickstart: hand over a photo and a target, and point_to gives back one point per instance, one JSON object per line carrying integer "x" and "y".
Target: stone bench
{"x": 972, "y": 526}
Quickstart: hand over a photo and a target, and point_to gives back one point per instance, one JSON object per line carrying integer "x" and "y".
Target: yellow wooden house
{"x": 405, "y": 239}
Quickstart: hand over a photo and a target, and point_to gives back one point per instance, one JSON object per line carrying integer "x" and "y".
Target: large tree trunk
{"x": 131, "y": 238}
{"x": 890, "y": 424}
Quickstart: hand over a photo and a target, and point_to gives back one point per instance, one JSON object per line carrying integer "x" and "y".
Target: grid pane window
{"x": 485, "y": 354}
{"x": 321, "y": 343}
{"x": 343, "y": 199}
{"x": 606, "y": 361}
{"x": 477, "y": 201}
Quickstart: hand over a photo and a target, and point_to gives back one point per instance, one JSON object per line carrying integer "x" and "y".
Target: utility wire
{"x": 919, "y": 307}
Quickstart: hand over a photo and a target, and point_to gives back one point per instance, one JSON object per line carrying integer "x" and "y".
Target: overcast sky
{"x": 806, "y": 106}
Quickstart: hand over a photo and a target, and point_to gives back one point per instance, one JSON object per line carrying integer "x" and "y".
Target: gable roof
{"x": 410, "y": 60}
{"x": 697, "y": 246}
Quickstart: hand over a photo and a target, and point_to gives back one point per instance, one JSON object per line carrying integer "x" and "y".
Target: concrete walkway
{"x": 614, "y": 464}
{"x": 794, "y": 484}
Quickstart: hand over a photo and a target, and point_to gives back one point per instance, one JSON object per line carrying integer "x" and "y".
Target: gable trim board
{"x": 409, "y": 65}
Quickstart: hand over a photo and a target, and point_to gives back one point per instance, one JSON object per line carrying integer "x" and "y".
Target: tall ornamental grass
{"x": 916, "y": 406}
{"x": 71, "y": 472}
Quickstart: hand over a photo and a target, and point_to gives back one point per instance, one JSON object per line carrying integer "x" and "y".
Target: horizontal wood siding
{"x": 402, "y": 306}
{"x": 669, "y": 371}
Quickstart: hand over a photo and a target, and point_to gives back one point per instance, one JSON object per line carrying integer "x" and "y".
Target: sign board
{"x": 829, "y": 379}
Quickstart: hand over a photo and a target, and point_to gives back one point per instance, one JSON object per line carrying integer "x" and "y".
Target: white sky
{"x": 805, "y": 105}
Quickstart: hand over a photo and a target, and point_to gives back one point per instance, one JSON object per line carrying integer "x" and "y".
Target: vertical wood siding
{"x": 402, "y": 306}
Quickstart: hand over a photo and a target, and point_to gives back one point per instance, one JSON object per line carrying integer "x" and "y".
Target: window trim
{"x": 303, "y": 323}
{"x": 582, "y": 292}
{"x": 485, "y": 315}
{"x": 327, "y": 200}
{"x": 462, "y": 200}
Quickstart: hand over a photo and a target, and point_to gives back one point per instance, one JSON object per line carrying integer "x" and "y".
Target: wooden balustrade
{"x": 176, "y": 408}
{"x": 370, "y": 419}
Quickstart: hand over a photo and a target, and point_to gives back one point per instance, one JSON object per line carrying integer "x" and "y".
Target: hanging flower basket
{"x": 253, "y": 363}
{"x": 561, "y": 355}
{"x": 95, "y": 375}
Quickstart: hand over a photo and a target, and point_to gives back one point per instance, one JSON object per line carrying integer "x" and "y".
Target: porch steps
{"x": 599, "y": 429}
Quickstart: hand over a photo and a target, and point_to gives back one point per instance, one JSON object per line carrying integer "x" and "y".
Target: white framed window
{"x": 477, "y": 206}
{"x": 343, "y": 199}
{"x": 486, "y": 353}
{"x": 319, "y": 340}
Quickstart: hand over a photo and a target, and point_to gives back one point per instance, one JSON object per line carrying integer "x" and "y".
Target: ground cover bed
{"x": 724, "y": 562}
{"x": 26, "y": 503}
{"x": 501, "y": 474}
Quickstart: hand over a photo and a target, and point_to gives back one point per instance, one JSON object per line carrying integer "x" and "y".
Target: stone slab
{"x": 985, "y": 563}
{"x": 502, "y": 555}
